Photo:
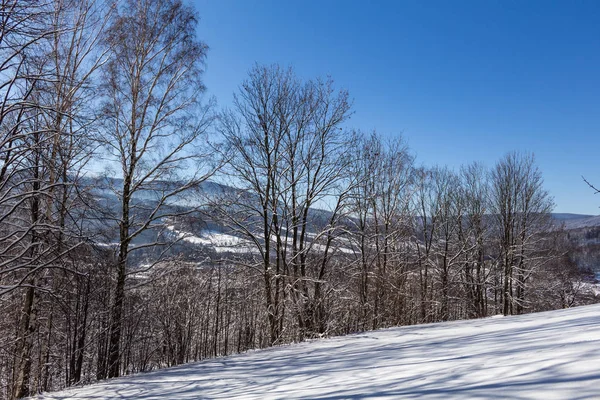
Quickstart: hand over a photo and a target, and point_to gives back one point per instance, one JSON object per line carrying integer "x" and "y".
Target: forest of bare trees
{"x": 106, "y": 148}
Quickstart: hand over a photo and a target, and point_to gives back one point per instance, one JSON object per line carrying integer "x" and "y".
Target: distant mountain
{"x": 577, "y": 221}
{"x": 201, "y": 235}
{"x": 569, "y": 216}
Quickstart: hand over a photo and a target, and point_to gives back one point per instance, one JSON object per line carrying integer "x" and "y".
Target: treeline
{"x": 343, "y": 231}
{"x": 398, "y": 243}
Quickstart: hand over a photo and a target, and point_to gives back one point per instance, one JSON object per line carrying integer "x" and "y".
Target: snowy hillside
{"x": 569, "y": 216}
{"x": 588, "y": 222}
{"x": 551, "y": 355}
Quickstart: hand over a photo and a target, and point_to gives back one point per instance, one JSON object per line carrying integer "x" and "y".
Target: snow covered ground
{"x": 552, "y": 355}
{"x": 227, "y": 243}
{"x": 220, "y": 242}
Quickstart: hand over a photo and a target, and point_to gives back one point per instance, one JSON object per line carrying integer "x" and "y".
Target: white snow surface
{"x": 220, "y": 242}
{"x": 550, "y": 355}
{"x": 227, "y": 243}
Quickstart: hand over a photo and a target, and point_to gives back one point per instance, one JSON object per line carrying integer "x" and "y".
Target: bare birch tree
{"x": 154, "y": 128}
{"x": 46, "y": 149}
{"x": 23, "y": 26}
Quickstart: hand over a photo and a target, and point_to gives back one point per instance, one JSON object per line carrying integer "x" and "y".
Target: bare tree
{"x": 447, "y": 247}
{"x": 23, "y": 26}
{"x": 475, "y": 235}
{"x": 380, "y": 221}
{"x": 154, "y": 127}
{"x": 74, "y": 57}
{"x": 426, "y": 224}
{"x": 42, "y": 155}
{"x": 287, "y": 144}
{"x": 522, "y": 208}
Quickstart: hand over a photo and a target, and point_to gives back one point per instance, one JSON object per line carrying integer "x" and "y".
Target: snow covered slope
{"x": 582, "y": 222}
{"x": 552, "y": 355}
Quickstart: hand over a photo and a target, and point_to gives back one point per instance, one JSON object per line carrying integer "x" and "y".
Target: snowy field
{"x": 552, "y": 355}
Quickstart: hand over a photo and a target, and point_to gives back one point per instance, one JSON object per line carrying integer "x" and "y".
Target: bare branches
{"x": 522, "y": 208}
{"x": 288, "y": 156}
{"x": 321, "y": 230}
{"x": 154, "y": 124}
{"x": 596, "y": 190}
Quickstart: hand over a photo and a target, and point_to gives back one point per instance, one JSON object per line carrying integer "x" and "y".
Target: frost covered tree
{"x": 287, "y": 144}
{"x": 49, "y": 49}
{"x": 522, "y": 209}
{"x": 378, "y": 225}
{"x": 474, "y": 235}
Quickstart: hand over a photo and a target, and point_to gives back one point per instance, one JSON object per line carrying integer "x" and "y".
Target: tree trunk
{"x": 25, "y": 343}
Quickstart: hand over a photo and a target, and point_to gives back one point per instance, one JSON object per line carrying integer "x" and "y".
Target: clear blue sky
{"x": 462, "y": 81}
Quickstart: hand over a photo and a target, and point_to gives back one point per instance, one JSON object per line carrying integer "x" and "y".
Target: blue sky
{"x": 462, "y": 81}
